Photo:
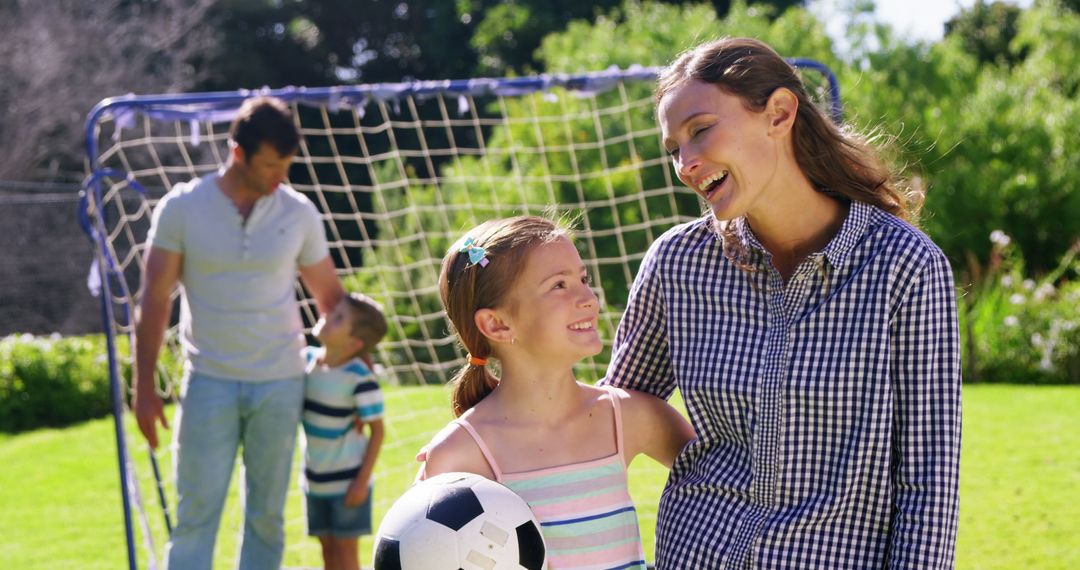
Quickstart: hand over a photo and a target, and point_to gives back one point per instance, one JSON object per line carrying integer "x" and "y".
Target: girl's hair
{"x": 836, "y": 159}
{"x": 467, "y": 286}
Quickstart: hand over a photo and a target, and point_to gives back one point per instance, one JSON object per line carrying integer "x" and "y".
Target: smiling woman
{"x": 811, "y": 330}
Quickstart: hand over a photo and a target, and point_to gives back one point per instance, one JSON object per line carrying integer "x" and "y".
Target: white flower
{"x": 1007, "y": 281}
{"x": 1017, "y": 299}
{"x": 1000, "y": 238}
{"x": 1029, "y": 284}
{"x": 1011, "y": 321}
{"x": 1036, "y": 339}
{"x": 1043, "y": 292}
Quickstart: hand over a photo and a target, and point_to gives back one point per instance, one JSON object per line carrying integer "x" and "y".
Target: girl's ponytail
{"x": 472, "y": 383}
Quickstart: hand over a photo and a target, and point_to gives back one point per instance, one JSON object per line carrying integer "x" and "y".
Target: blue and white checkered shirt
{"x": 827, "y": 408}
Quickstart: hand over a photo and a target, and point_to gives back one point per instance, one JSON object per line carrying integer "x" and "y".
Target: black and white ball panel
{"x": 459, "y": 521}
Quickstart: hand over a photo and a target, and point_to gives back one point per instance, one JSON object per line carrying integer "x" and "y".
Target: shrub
{"x": 50, "y": 381}
{"x": 1015, "y": 328}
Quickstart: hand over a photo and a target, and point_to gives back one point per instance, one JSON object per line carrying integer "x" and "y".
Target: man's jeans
{"x": 217, "y": 417}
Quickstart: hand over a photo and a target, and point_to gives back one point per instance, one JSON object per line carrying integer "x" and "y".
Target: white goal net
{"x": 399, "y": 172}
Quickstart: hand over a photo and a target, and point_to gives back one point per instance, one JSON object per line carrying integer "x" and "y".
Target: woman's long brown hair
{"x": 835, "y": 158}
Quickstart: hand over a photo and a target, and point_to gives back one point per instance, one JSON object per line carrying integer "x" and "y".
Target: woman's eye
{"x": 698, "y": 130}
{"x": 559, "y": 285}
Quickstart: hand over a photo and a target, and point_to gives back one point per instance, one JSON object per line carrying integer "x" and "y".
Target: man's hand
{"x": 149, "y": 410}
{"x": 160, "y": 276}
{"x": 357, "y": 494}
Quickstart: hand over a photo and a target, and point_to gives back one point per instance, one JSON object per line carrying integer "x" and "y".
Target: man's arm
{"x": 358, "y": 490}
{"x": 322, "y": 282}
{"x": 160, "y": 276}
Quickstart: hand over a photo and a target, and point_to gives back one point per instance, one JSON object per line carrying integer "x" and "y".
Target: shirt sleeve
{"x": 640, "y": 358}
{"x": 368, "y": 397}
{"x": 167, "y": 224}
{"x": 926, "y": 428}
{"x": 314, "y": 247}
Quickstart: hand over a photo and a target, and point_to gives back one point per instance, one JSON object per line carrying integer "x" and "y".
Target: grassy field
{"x": 1020, "y": 486}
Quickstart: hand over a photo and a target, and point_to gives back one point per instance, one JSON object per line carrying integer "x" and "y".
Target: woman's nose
{"x": 686, "y": 164}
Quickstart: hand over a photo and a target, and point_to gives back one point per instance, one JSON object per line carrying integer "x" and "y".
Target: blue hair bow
{"x": 477, "y": 254}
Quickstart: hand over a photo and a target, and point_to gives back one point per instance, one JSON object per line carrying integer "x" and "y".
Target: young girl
{"x": 517, "y": 291}
{"x": 810, "y": 328}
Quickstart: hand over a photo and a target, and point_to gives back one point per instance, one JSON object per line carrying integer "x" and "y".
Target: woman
{"x": 810, "y": 328}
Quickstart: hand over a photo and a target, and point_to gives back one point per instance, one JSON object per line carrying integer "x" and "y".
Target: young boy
{"x": 340, "y": 397}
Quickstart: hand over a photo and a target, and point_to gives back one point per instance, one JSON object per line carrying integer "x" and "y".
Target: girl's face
{"x": 720, "y": 149}
{"x": 553, "y": 310}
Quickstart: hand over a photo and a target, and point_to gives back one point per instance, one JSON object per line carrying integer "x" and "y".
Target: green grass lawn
{"x": 1020, "y": 486}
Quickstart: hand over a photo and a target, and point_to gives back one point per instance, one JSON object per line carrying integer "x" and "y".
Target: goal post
{"x": 398, "y": 172}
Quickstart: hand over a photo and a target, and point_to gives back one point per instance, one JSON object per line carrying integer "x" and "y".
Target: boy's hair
{"x": 467, "y": 286}
{"x": 265, "y": 119}
{"x": 368, "y": 323}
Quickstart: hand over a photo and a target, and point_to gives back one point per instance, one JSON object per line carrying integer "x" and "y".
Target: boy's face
{"x": 335, "y": 330}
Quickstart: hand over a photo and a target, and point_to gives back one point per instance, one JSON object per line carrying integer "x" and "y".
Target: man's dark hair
{"x": 265, "y": 119}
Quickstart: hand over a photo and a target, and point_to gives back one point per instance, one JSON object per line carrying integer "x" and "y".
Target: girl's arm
{"x": 925, "y": 352}
{"x": 653, "y": 427}
{"x": 454, "y": 450}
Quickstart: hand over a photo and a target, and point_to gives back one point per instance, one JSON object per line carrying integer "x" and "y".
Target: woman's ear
{"x": 492, "y": 325}
{"x": 781, "y": 109}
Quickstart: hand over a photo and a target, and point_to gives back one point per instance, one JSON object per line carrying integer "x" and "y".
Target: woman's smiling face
{"x": 720, "y": 148}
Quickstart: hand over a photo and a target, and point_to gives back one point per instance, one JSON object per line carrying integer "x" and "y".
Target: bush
{"x": 1018, "y": 329}
{"x": 50, "y": 381}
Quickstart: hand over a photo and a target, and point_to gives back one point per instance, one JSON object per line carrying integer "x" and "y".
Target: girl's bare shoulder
{"x": 453, "y": 449}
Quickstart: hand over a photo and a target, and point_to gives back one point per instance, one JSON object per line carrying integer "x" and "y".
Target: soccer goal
{"x": 398, "y": 171}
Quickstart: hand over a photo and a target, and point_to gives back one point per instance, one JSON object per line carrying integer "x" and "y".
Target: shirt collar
{"x": 836, "y": 251}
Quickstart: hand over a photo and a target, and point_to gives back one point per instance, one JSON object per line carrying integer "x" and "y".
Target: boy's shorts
{"x": 328, "y": 516}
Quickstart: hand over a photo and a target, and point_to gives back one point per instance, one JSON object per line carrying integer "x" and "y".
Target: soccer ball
{"x": 459, "y": 521}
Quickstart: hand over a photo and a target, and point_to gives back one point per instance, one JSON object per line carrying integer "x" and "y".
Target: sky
{"x": 918, "y": 19}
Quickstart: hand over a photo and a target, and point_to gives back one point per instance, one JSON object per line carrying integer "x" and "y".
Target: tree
{"x": 60, "y": 57}
{"x": 319, "y": 42}
{"x": 986, "y": 30}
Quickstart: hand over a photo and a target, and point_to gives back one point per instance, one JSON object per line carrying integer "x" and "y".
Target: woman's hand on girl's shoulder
{"x": 652, "y": 426}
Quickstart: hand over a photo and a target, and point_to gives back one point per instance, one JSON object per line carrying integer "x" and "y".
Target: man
{"x": 235, "y": 241}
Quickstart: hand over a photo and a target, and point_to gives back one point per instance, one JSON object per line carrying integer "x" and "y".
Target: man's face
{"x": 265, "y": 169}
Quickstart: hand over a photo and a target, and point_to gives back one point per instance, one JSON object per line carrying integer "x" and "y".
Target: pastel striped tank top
{"x": 585, "y": 511}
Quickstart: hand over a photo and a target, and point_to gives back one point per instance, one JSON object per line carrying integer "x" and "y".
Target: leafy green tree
{"x": 987, "y": 30}
{"x": 986, "y": 142}
{"x": 322, "y": 42}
